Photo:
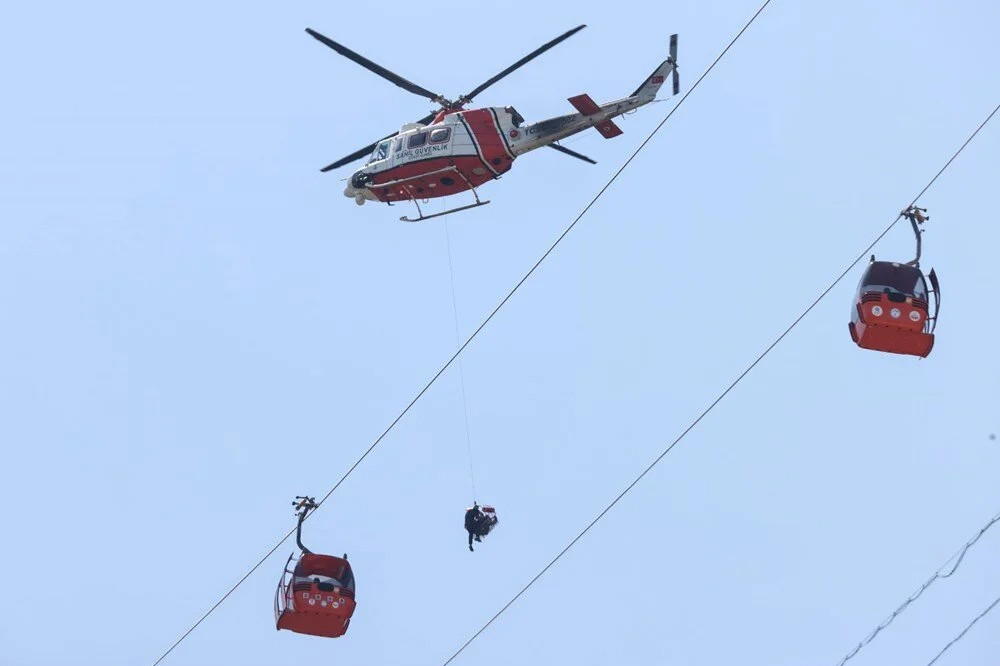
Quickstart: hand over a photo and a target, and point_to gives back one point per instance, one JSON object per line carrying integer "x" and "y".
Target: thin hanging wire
{"x": 461, "y": 369}
{"x": 939, "y": 574}
{"x": 964, "y": 631}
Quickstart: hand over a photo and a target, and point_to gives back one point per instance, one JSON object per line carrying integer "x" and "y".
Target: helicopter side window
{"x": 417, "y": 140}
{"x": 440, "y": 135}
{"x": 381, "y": 152}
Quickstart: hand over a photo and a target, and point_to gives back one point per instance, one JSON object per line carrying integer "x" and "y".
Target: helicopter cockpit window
{"x": 381, "y": 151}
{"x": 417, "y": 140}
{"x": 515, "y": 117}
{"x": 440, "y": 135}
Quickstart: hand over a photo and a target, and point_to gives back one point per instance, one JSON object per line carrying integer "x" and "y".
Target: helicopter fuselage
{"x": 463, "y": 149}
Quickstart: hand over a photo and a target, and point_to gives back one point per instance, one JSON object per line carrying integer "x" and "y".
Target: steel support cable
{"x": 952, "y": 568}
{"x": 731, "y": 386}
{"x": 964, "y": 631}
{"x": 475, "y": 333}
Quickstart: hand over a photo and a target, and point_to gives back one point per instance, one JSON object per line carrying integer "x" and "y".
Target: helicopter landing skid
{"x": 445, "y": 212}
{"x": 423, "y": 217}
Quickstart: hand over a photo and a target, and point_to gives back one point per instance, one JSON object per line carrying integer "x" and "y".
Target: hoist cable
{"x": 461, "y": 369}
{"x": 732, "y": 385}
{"x": 964, "y": 631}
{"x": 957, "y": 558}
{"x": 474, "y": 334}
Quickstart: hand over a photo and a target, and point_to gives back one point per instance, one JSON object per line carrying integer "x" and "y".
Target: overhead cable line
{"x": 475, "y": 333}
{"x": 731, "y": 386}
{"x": 951, "y": 565}
{"x": 964, "y": 631}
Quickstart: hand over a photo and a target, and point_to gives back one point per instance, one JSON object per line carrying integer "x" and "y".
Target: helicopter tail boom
{"x": 599, "y": 116}
{"x": 549, "y": 131}
{"x": 588, "y": 107}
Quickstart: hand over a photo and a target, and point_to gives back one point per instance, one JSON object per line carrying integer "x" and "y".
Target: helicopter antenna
{"x": 916, "y": 217}
{"x": 303, "y": 505}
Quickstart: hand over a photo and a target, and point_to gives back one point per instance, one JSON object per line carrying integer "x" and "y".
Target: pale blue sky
{"x": 198, "y": 326}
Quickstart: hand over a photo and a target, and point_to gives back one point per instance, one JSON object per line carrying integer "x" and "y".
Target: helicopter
{"x": 454, "y": 149}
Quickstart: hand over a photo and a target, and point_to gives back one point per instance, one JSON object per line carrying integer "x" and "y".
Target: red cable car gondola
{"x": 892, "y": 308}
{"x": 316, "y": 597}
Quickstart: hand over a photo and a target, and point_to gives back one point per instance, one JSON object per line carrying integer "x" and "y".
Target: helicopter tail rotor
{"x": 672, "y": 58}
{"x": 654, "y": 81}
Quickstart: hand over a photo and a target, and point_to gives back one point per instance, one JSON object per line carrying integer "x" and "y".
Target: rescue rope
{"x": 461, "y": 369}
{"x": 740, "y": 377}
{"x": 964, "y": 631}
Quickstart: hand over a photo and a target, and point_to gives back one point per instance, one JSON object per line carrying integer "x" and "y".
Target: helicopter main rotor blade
{"x": 378, "y": 69}
{"x": 356, "y": 155}
{"x": 361, "y": 152}
{"x": 531, "y": 56}
{"x": 571, "y": 153}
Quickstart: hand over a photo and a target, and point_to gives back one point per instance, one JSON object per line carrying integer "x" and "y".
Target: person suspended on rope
{"x": 479, "y": 522}
{"x": 473, "y": 517}
{"x": 916, "y": 214}
{"x": 488, "y": 521}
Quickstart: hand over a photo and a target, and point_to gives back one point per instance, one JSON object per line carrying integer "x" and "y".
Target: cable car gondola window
{"x": 884, "y": 276}
{"x": 417, "y": 140}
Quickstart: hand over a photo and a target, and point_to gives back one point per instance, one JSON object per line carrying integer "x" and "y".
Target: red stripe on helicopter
{"x": 431, "y": 178}
{"x": 500, "y": 132}
{"x": 475, "y": 144}
{"x": 489, "y": 142}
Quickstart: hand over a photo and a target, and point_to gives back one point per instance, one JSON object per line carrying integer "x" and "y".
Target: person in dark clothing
{"x": 473, "y": 520}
